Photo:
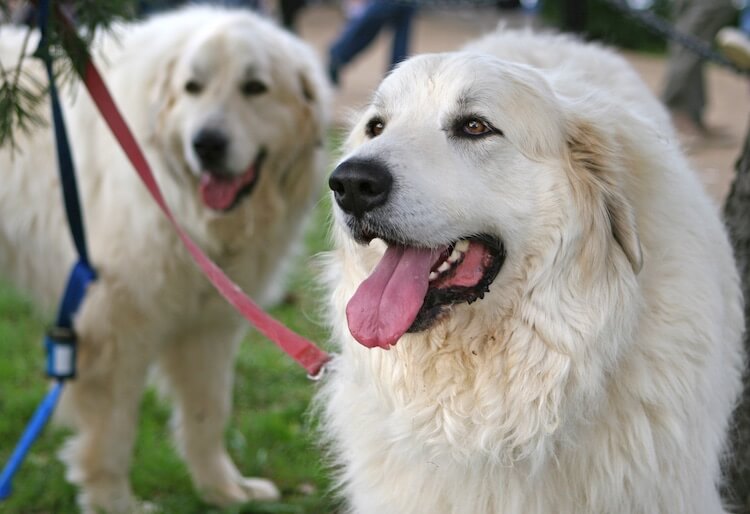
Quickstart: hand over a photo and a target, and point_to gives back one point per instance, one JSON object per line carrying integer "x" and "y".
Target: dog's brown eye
{"x": 475, "y": 127}
{"x": 375, "y": 127}
{"x": 253, "y": 87}
{"x": 193, "y": 87}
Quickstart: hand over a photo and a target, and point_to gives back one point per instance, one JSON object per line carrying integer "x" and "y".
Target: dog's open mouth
{"x": 411, "y": 287}
{"x": 222, "y": 191}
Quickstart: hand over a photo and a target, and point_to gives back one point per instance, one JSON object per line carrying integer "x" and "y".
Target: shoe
{"x": 735, "y": 45}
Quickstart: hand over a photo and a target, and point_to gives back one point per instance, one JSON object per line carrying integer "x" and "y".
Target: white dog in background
{"x": 231, "y": 112}
{"x": 536, "y": 303}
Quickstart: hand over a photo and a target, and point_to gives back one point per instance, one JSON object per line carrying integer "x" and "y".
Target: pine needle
{"x": 22, "y": 95}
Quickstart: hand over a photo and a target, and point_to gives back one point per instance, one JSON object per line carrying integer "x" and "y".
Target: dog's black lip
{"x": 438, "y": 300}
{"x": 248, "y": 189}
{"x": 364, "y": 231}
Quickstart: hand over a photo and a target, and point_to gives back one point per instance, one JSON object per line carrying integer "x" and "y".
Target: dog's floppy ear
{"x": 622, "y": 219}
{"x": 161, "y": 96}
{"x": 307, "y": 87}
{"x": 313, "y": 96}
{"x": 596, "y": 159}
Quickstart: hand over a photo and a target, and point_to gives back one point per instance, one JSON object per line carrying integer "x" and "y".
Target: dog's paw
{"x": 144, "y": 507}
{"x": 260, "y": 489}
{"x": 241, "y": 490}
{"x": 131, "y": 506}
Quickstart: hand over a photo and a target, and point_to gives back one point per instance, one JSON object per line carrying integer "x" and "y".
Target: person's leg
{"x": 289, "y": 11}
{"x": 745, "y": 19}
{"x": 402, "y": 18}
{"x": 358, "y": 34}
{"x": 685, "y": 89}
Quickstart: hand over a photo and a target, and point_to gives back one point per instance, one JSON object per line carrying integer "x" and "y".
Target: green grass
{"x": 269, "y": 435}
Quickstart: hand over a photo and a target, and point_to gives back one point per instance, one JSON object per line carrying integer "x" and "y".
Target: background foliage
{"x": 609, "y": 25}
{"x": 22, "y": 96}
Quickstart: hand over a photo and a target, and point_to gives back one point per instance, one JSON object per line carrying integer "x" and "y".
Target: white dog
{"x": 536, "y": 303}
{"x": 231, "y": 112}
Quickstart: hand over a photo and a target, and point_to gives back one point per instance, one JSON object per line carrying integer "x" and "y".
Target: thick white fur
{"x": 598, "y": 374}
{"x": 151, "y": 303}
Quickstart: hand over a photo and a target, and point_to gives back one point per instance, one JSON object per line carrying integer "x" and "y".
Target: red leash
{"x": 300, "y": 349}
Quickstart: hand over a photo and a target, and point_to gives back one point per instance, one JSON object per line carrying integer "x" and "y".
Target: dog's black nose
{"x": 360, "y": 185}
{"x": 211, "y": 146}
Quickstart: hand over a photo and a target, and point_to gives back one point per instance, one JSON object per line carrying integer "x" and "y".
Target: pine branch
{"x": 22, "y": 95}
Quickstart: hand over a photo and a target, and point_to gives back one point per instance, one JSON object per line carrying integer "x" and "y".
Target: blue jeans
{"x": 362, "y": 29}
{"x": 745, "y": 19}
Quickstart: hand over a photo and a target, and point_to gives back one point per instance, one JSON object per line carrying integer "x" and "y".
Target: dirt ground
{"x": 445, "y": 29}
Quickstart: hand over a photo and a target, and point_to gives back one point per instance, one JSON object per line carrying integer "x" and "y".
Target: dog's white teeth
{"x": 450, "y": 262}
{"x": 461, "y": 246}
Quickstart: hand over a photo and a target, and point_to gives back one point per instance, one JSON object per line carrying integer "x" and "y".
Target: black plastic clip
{"x": 60, "y": 343}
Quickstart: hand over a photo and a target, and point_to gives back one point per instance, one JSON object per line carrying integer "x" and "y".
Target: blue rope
{"x": 64, "y": 156}
{"x": 78, "y": 281}
{"x": 33, "y": 429}
{"x": 61, "y": 340}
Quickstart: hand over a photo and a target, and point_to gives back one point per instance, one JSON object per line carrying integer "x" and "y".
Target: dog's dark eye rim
{"x": 253, "y": 88}
{"x": 462, "y": 127}
{"x": 193, "y": 87}
{"x": 375, "y": 127}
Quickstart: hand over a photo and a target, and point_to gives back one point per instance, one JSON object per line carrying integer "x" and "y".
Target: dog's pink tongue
{"x": 219, "y": 193}
{"x": 387, "y": 302}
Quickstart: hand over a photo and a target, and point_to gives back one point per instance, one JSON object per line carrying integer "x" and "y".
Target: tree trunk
{"x": 737, "y": 217}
